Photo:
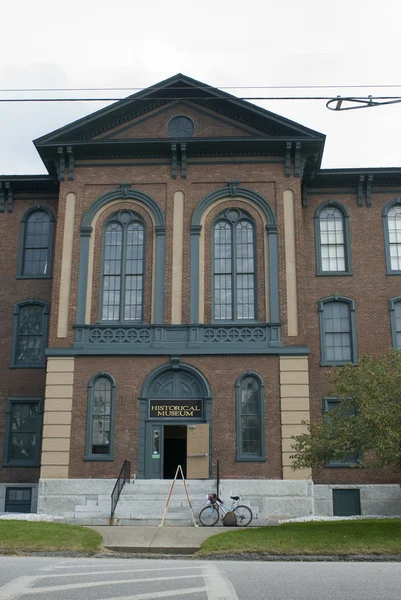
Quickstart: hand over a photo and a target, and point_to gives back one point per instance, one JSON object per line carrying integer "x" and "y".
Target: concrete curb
{"x": 162, "y": 553}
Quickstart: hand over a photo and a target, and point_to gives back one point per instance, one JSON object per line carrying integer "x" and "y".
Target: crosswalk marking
{"x": 71, "y": 586}
{"x": 16, "y": 587}
{"x": 218, "y": 585}
{"x": 213, "y": 582}
{"x": 116, "y": 571}
{"x": 150, "y": 596}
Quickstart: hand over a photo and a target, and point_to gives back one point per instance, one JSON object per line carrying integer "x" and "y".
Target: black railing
{"x": 218, "y": 477}
{"x": 123, "y": 477}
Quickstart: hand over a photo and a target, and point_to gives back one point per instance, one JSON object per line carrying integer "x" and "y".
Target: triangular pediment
{"x": 143, "y": 115}
{"x": 154, "y": 125}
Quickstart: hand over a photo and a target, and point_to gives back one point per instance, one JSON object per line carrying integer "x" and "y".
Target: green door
{"x": 153, "y": 450}
{"x": 346, "y": 503}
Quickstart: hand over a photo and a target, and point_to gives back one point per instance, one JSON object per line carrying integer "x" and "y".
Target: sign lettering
{"x": 176, "y": 409}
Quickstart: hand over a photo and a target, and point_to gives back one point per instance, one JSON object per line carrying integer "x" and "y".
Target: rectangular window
{"x": 346, "y": 503}
{"x": 30, "y": 334}
{"x": 18, "y": 500}
{"x": 250, "y": 418}
{"x": 23, "y": 432}
{"x": 337, "y": 331}
{"x": 331, "y": 404}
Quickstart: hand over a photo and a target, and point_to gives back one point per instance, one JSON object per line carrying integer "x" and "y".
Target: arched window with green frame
{"x": 123, "y": 268}
{"x": 100, "y": 417}
{"x": 234, "y": 267}
{"x": 250, "y": 418}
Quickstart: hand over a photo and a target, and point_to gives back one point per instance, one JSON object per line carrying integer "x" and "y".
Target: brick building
{"x": 175, "y": 291}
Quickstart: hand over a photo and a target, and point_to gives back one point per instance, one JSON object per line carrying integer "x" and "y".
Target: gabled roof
{"x": 170, "y": 90}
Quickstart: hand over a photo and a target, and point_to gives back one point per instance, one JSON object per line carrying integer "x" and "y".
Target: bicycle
{"x": 216, "y": 509}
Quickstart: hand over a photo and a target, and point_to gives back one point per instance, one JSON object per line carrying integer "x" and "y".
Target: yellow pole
{"x": 189, "y": 499}
{"x": 169, "y": 496}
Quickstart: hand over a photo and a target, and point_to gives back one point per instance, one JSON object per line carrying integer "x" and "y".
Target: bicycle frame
{"x": 224, "y": 508}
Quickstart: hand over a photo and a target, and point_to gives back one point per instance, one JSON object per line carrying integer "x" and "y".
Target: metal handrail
{"x": 123, "y": 477}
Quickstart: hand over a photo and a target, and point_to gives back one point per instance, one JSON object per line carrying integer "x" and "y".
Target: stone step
{"x": 155, "y": 522}
{"x": 160, "y": 499}
{"x": 151, "y": 488}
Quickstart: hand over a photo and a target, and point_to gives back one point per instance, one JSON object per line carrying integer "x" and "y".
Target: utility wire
{"x": 209, "y": 87}
{"x": 214, "y": 99}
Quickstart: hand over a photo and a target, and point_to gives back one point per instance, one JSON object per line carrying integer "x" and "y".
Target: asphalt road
{"x": 30, "y": 578}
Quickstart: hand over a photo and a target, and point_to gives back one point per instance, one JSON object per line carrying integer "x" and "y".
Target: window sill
{"x": 338, "y": 364}
{"x": 27, "y": 366}
{"x": 250, "y": 459}
{"x": 235, "y": 322}
{"x": 334, "y": 273}
{"x": 33, "y": 277}
{"x": 98, "y": 458}
{"x": 342, "y": 466}
{"x": 20, "y": 463}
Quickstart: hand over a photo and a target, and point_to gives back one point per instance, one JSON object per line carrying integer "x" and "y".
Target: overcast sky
{"x": 127, "y": 43}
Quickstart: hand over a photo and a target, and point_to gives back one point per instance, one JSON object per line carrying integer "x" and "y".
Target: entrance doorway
{"x": 174, "y": 450}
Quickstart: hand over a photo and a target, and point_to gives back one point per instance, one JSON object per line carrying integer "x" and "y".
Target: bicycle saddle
{"x": 234, "y": 497}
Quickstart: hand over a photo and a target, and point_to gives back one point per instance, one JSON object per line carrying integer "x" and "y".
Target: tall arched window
{"x": 123, "y": 268}
{"x": 250, "y": 418}
{"x": 234, "y": 267}
{"x": 36, "y": 244}
{"x": 100, "y": 425}
{"x": 333, "y": 254}
{"x": 337, "y": 331}
{"x": 30, "y": 333}
{"x": 392, "y": 236}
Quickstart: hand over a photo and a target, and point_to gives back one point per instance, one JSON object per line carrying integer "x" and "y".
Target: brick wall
{"x": 29, "y": 383}
{"x": 221, "y": 373}
{"x": 369, "y": 287}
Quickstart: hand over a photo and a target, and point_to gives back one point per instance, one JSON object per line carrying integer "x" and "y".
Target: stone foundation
{"x": 34, "y": 497}
{"x": 269, "y": 499}
{"x": 375, "y": 499}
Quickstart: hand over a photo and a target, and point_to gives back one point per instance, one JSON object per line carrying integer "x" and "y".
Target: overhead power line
{"x": 367, "y": 99}
{"x": 237, "y": 87}
{"x": 258, "y": 98}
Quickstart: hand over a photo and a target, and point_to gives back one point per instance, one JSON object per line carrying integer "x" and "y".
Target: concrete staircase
{"x": 143, "y": 501}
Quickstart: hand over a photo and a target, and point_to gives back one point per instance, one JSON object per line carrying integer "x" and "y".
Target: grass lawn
{"x": 373, "y": 536}
{"x": 25, "y": 535}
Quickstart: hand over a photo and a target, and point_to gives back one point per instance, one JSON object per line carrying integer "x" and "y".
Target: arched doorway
{"x": 175, "y": 423}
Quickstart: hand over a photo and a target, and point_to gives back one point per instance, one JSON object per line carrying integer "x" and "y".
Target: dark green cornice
{"x": 13, "y": 186}
{"x": 326, "y": 178}
{"x": 176, "y": 88}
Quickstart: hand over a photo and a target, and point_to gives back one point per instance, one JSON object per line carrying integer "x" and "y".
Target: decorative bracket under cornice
{"x": 70, "y": 164}
{"x": 288, "y": 159}
{"x": 183, "y": 160}
{"x": 9, "y": 197}
{"x": 360, "y": 190}
{"x": 61, "y": 164}
{"x": 2, "y": 198}
{"x": 298, "y": 159}
{"x": 369, "y": 191}
{"x": 174, "y": 161}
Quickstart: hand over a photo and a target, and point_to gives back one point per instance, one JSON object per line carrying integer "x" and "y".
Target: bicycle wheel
{"x": 209, "y": 516}
{"x": 244, "y": 515}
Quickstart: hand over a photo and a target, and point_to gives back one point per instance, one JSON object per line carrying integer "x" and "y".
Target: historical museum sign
{"x": 176, "y": 409}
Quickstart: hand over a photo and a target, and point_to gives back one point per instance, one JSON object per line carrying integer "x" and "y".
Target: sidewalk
{"x": 156, "y": 540}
